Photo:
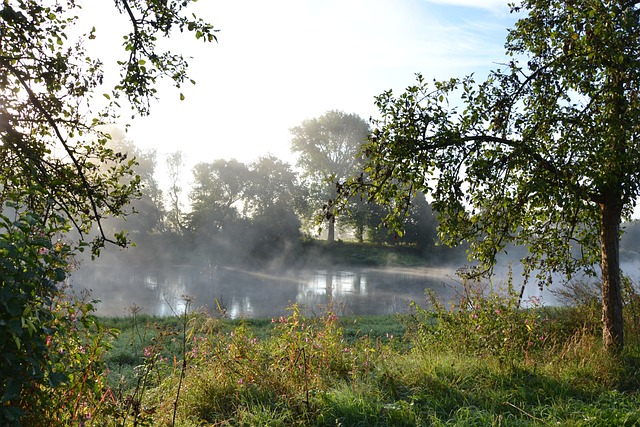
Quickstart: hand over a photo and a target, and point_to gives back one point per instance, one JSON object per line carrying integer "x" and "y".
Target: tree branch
{"x": 50, "y": 120}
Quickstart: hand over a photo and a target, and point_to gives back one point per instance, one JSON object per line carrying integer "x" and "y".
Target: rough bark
{"x": 612, "y": 320}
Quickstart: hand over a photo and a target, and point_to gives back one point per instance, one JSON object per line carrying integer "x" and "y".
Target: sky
{"x": 279, "y": 62}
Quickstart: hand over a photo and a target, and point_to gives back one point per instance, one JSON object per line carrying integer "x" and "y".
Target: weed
{"x": 483, "y": 322}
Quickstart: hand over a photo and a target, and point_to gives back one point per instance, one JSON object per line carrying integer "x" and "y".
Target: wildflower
{"x": 43, "y": 251}
{"x": 240, "y": 381}
{"x": 147, "y": 352}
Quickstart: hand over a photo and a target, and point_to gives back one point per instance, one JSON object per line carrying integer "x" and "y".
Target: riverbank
{"x": 550, "y": 369}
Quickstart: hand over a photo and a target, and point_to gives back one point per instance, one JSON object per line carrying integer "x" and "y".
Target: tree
{"x": 272, "y": 184}
{"x": 419, "y": 226}
{"x": 543, "y": 154}
{"x": 217, "y": 190}
{"x": 175, "y": 163}
{"x": 52, "y": 179}
{"x": 148, "y": 207}
{"x": 272, "y": 201}
{"x": 327, "y": 149}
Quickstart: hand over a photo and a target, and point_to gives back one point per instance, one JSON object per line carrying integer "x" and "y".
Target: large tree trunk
{"x": 612, "y": 321}
{"x": 331, "y": 232}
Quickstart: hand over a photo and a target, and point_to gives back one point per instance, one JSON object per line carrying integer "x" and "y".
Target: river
{"x": 256, "y": 294}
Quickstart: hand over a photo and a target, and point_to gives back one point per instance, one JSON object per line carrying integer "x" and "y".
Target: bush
{"x": 51, "y": 344}
{"x": 483, "y": 322}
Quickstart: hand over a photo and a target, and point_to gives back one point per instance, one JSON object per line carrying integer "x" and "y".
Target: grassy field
{"x": 491, "y": 365}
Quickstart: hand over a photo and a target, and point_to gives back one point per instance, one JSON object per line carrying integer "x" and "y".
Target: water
{"x": 163, "y": 291}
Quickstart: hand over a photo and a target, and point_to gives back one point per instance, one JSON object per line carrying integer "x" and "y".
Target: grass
{"x": 373, "y": 371}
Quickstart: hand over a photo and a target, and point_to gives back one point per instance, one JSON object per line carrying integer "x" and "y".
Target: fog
{"x": 150, "y": 279}
{"x": 242, "y": 294}
{"x": 249, "y": 247}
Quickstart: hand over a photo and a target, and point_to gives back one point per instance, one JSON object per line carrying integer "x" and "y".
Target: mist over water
{"x": 256, "y": 294}
{"x": 240, "y": 293}
{"x": 157, "y": 286}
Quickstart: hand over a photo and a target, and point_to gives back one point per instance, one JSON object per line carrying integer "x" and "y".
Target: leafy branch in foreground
{"x": 57, "y": 172}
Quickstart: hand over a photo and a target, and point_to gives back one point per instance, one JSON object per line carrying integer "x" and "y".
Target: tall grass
{"x": 483, "y": 361}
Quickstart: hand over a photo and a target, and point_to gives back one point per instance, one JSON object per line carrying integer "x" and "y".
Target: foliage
{"x": 327, "y": 149}
{"x": 217, "y": 189}
{"x": 59, "y": 179}
{"x": 418, "y": 228}
{"x": 273, "y": 202}
{"x": 300, "y": 370}
{"x": 52, "y": 345}
{"x": 244, "y": 213}
{"x": 485, "y": 322}
{"x": 31, "y": 267}
{"x": 148, "y": 208}
{"x": 73, "y": 390}
{"x": 543, "y": 154}
{"x": 175, "y": 163}
{"x": 273, "y": 185}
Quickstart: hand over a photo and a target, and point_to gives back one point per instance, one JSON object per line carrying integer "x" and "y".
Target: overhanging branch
{"x": 54, "y": 126}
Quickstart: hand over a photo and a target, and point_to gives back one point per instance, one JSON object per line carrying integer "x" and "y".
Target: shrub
{"x": 483, "y": 322}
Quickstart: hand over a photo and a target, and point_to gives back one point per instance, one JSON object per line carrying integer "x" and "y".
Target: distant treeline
{"x": 262, "y": 213}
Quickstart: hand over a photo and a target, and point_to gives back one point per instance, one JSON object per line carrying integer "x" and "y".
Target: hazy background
{"x": 278, "y": 63}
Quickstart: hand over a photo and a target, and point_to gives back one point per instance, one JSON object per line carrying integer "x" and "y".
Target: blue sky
{"x": 280, "y": 62}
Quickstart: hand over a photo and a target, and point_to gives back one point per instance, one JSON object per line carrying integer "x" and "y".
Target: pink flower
{"x": 147, "y": 352}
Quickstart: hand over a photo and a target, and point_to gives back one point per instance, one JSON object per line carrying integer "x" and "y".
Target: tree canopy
{"x": 327, "y": 149}
{"x": 57, "y": 171}
{"x": 544, "y": 153}
{"x": 52, "y": 141}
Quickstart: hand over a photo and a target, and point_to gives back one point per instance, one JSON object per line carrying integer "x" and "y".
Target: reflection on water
{"x": 164, "y": 291}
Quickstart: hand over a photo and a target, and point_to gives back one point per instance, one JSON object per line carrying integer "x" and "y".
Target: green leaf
{"x": 12, "y": 390}
{"x": 56, "y": 379}
{"x": 60, "y": 274}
